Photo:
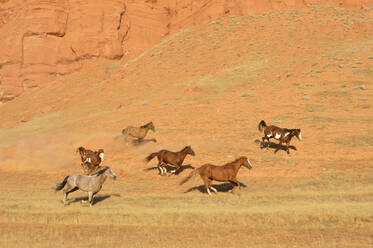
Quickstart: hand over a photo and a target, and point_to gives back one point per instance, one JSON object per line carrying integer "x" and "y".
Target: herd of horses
{"x": 95, "y": 175}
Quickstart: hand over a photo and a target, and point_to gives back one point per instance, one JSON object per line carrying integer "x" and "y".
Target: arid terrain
{"x": 207, "y": 86}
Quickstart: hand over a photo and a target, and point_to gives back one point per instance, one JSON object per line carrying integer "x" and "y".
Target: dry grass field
{"x": 208, "y": 87}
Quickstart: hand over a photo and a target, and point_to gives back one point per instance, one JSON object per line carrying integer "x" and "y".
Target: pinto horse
{"x": 224, "y": 173}
{"x": 138, "y": 132}
{"x": 91, "y": 184}
{"x": 284, "y": 135}
{"x": 173, "y": 158}
{"x": 90, "y": 159}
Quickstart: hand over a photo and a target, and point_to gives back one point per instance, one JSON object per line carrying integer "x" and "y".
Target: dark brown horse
{"x": 284, "y": 135}
{"x": 172, "y": 158}
{"x": 224, "y": 173}
{"x": 90, "y": 159}
{"x": 138, "y": 132}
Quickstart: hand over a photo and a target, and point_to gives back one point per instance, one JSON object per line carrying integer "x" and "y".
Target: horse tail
{"x": 61, "y": 185}
{"x": 124, "y": 131}
{"x": 151, "y": 156}
{"x": 192, "y": 174}
{"x": 261, "y": 125}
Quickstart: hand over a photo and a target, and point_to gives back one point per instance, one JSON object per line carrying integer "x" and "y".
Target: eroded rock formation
{"x": 43, "y": 39}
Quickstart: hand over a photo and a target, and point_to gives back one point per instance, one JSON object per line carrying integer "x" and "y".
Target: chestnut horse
{"x": 224, "y": 173}
{"x": 138, "y": 132}
{"x": 90, "y": 159}
{"x": 284, "y": 135}
{"x": 172, "y": 158}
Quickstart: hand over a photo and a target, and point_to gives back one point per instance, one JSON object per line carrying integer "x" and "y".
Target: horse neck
{"x": 81, "y": 153}
{"x": 100, "y": 179}
{"x": 236, "y": 166}
{"x": 183, "y": 153}
{"x": 290, "y": 136}
{"x": 145, "y": 128}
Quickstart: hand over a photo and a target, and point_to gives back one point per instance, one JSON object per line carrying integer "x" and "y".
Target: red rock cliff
{"x": 43, "y": 39}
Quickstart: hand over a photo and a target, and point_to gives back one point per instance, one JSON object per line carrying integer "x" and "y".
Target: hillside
{"x": 42, "y": 40}
{"x": 207, "y": 86}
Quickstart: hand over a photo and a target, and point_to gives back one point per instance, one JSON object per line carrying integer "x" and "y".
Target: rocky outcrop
{"x": 44, "y": 39}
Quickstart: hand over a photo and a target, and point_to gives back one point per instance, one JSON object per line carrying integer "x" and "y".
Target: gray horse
{"x": 91, "y": 184}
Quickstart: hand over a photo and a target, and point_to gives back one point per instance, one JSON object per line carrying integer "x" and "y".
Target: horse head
{"x": 151, "y": 126}
{"x": 246, "y": 162}
{"x": 189, "y": 150}
{"x": 100, "y": 153}
{"x": 107, "y": 171}
{"x": 297, "y": 133}
{"x": 110, "y": 173}
{"x": 81, "y": 150}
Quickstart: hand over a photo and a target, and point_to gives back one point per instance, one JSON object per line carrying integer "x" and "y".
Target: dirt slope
{"x": 207, "y": 86}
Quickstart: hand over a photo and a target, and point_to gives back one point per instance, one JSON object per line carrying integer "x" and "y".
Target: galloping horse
{"x": 284, "y": 135}
{"x": 138, "y": 132}
{"x": 173, "y": 158}
{"x": 224, "y": 173}
{"x": 90, "y": 159}
{"x": 91, "y": 184}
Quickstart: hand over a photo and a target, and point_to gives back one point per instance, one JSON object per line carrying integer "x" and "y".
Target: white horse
{"x": 91, "y": 184}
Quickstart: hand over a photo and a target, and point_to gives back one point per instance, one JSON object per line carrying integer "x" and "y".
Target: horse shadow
{"x": 224, "y": 187}
{"x": 170, "y": 168}
{"x": 96, "y": 199}
{"x": 274, "y": 146}
{"x": 139, "y": 142}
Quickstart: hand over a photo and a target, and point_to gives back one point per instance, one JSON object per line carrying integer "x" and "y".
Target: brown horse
{"x": 172, "y": 158}
{"x": 138, "y": 132}
{"x": 224, "y": 173}
{"x": 90, "y": 159}
{"x": 284, "y": 135}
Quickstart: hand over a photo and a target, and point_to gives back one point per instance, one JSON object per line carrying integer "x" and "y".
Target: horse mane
{"x": 102, "y": 171}
{"x": 185, "y": 148}
{"x": 80, "y": 148}
{"x": 147, "y": 124}
{"x": 240, "y": 158}
{"x": 291, "y": 131}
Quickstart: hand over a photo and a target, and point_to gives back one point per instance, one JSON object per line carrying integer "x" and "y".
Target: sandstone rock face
{"x": 43, "y": 39}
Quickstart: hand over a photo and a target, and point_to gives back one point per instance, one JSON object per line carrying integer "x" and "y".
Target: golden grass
{"x": 293, "y": 207}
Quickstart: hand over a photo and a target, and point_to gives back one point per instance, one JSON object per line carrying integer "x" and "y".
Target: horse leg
{"x": 90, "y": 198}
{"x": 287, "y": 148}
{"x": 207, "y": 184}
{"x": 214, "y": 189}
{"x": 125, "y": 139}
{"x": 263, "y": 142}
{"x": 90, "y": 169}
{"x": 279, "y": 146}
{"x": 67, "y": 191}
{"x": 176, "y": 169}
{"x": 160, "y": 167}
{"x": 237, "y": 184}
